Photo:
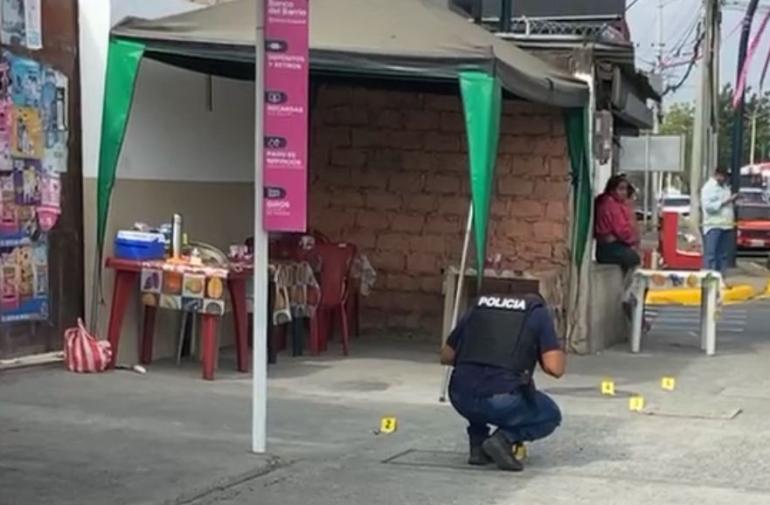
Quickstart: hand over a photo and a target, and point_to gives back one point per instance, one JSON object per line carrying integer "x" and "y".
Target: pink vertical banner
{"x": 287, "y": 75}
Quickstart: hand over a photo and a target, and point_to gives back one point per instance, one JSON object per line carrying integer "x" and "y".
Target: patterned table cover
{"x": 185, "y": 287}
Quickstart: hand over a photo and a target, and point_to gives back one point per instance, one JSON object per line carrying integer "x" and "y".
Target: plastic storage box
{"x": 139, "y": 246}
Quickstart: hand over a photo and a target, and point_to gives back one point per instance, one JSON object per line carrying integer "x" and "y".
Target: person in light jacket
{"x": 718, "y": 205}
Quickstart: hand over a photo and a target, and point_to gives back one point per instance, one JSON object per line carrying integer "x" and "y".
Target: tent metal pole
{"x": 458, "y": 294}
{"x": 259, "y": 346}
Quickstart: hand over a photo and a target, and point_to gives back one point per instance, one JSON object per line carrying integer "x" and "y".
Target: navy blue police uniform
{"x": 498, "y": 344}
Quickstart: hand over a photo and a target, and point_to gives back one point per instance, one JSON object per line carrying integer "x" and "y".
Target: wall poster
{"x": 33, "y": 153}
{"x": 22, "y": 23}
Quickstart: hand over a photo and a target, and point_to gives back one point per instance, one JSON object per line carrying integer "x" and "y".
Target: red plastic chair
{"x": 673, "y": 258}
{"x": 335, "y": 261}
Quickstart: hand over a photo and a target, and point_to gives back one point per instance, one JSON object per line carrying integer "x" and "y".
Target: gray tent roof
{"x": 403, "y": 38}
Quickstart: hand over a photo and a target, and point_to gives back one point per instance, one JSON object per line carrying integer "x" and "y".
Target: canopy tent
{"x": 406, "y": 39}
{"x": 402, "y": 38}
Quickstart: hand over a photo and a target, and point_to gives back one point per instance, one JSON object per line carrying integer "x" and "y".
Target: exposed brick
{"x": 548, "y": 190}
{"x": 443, "y": 184}
{"x": 348, "y": 157}
{"x": 368, "y": 138}
{"x": 511, "y": 185}
{"x": 535, "y": 250}
{"x": 447, "y": 103}
{"x": 335, "y": 219}
{"x": 418, "y": 161}
{"x": 443, "y": 224}
{"x": 527, "y": 208}
{"x": 410, "y": 223}
{"x": 333, "y": 95}
{"x": 390, "y": 119}
{"x": 393, "y": 242}
{"x": 526, "y": 125}
{"x": 368, "y": 179}
{"x": 385, "y": 160}
{"x": 372, "y": 220}
{"x": 348, "y": 115}
{"x": 556, "y": 211}
{"x": 388, "y": 261}
{"x": 549, "y": 146}
{"x": 499, "y": 208}
{"x": 404, "y": 139}
{"x": 347, "y": 199}
{"x": 423, "y": 263}
{"x": 336, "y": 176}
{"x": 548, "y": 230}
{"x": 531, "y": 166}
{"x": 557, "y": 127}
{"x": 452, "y": 162}
{"x": 331, "y": 136}
{"x": 523, "y": 108}
{"x": 406, "y": 182}
{"x": 442, "y": 142}
{"x": 421, "y": 203}
{"x": 452, "y": 122}
{"x": 401, "y": 282}
{"x": 558, "y": 166}
{"x": 453, "y": 205}
{"x": 516, "y": 229}
{"x": 381, "y": 201}
{"x": 363, "y": 237}
{"x": 427, "y": 244}
{"x": 402, "y": 99}
{"x": 512, "y": 144}
{"x": 422, "y": 120}
{"x": 431, "y": 284}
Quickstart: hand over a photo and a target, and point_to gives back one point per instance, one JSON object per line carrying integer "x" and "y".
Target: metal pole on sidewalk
{"x": 458, "y": 294}
{"x": 259, "y": 344}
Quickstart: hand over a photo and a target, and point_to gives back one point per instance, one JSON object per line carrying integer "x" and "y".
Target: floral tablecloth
{"x": 185, "y": 287}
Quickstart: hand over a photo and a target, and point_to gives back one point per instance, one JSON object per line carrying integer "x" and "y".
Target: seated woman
{"x": 615, "y": 227}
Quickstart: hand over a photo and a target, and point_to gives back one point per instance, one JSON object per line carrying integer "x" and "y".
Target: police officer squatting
{"x": 494, "y": 349}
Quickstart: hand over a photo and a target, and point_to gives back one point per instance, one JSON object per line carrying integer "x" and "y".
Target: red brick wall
{"x": 389, "y": 173}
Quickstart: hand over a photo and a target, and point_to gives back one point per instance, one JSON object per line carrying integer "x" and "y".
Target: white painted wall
{"x": 96, "y": 17}
{"x": 175, "y": 133}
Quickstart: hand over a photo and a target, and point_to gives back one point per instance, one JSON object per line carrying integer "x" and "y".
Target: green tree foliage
{"x": 679, "y": 119}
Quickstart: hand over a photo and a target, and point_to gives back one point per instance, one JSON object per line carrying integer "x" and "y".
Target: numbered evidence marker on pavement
{"x": 520, "y": 451}
{"x": 668, "y": 383}
{"x": 388, "y": 425}
{"x": 608, "y": 387}
{"x": 636, "y": 403}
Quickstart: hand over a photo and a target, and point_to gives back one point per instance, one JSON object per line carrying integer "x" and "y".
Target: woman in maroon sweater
{"x": 615, "y": 229}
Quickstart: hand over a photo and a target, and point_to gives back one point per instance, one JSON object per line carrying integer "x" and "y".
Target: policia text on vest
{"x": 495, "y": 350}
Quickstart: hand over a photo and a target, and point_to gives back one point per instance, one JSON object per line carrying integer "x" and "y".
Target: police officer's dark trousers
{"x": 521, "y": 417}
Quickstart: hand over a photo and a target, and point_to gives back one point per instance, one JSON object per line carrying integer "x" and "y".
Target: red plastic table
{"x": 126, "y": 275}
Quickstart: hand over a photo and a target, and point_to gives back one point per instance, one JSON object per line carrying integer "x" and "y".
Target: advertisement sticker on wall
{"x": 286, "y": 114}
{"x": 24, "y": 283}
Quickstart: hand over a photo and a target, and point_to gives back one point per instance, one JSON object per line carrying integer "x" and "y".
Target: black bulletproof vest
{"x": 496, "y": 335}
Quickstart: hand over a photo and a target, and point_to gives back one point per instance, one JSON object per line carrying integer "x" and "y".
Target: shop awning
{"x": 400, "y": 38}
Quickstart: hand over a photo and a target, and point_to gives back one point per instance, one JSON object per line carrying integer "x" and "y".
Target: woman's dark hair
{"x": 614, "y": 182}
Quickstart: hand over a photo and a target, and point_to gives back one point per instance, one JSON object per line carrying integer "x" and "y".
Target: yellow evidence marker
{"x": 608, "y": 387}
{"x": 520, "y": 451}
{"x": 388, "y": 425}
{"x": 636, "y": 403}
{"x": 668, "y": 383}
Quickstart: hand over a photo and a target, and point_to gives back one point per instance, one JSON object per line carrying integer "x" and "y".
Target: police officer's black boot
{"x": 500, "y": 449}
{"x": 477, "y": 456}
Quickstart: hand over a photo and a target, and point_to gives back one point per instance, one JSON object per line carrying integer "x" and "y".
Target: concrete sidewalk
{"x": 169, "y": 438}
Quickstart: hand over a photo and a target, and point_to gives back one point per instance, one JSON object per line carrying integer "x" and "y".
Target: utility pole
{"x": 704, "y": 122}
{"x": 737, "y": 140}
{"x": 651, "y": 193}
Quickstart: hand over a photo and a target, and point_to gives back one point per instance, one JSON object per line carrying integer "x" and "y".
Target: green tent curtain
{"x": 123, "y": 61}
{"x": 577, "y": 141}
{"x": 482, "y": 102}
